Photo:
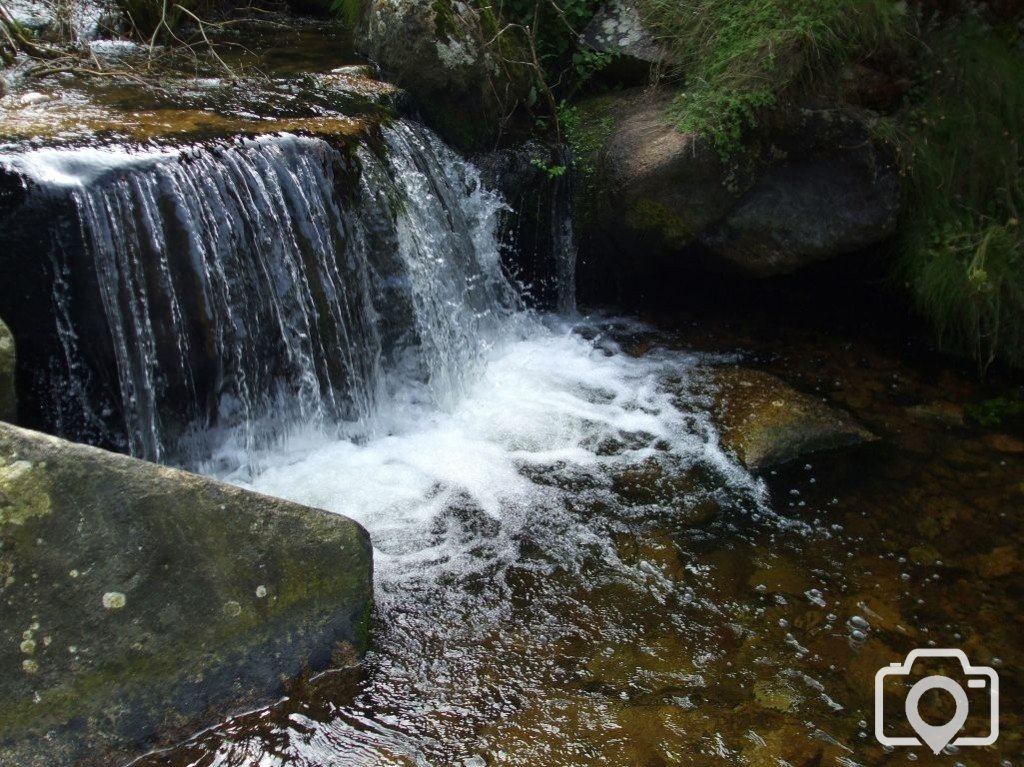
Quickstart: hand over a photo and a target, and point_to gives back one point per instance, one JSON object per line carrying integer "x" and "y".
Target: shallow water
{"x": 571, "y": 572}
{"x": 265, "y": 78}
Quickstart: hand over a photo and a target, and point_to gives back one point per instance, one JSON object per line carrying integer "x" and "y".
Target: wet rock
{"x": 658, "y": 550}
{"x": 791, "y": 744}
{"x": 781, "y": 576}
{"x": 941, "y": 411}
{"x": 141, "y": 603}
{"x": 1003, "y": 443}
{"x": 8, "y": 398}
{"x": 777, "y": 695}
{"x": 659, "y": 664}
{"x": 617, "y": 29}
{"x": 765, "y": 422}
{"x": 532, "y": 178}
{"x": 439, "y": 52}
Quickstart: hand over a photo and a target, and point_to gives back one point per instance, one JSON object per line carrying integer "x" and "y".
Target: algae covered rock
{"x": 140, "y": 604}
{"x": 8, "y": 397}
{"x": 765, "y": 422}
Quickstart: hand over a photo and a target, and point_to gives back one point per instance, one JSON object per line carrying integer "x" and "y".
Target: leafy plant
{"x": 552, "y": 171}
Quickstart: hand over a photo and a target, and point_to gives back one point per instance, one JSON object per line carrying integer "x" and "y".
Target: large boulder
{"x": 8, "y": 399}
{"x": 461, "y": 68}
{"x": 141, "y": 603}
{"x": 826, "y": 192}
{"x": 810, "y": 185}
{"x": 764, "y": 422}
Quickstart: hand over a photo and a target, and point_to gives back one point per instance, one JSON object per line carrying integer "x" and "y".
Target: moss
{"x": 586, "y": 128}
{"x": 349, "y": 11}
{"x": 164, "y": 600}
{"x": 24, "y": 492}
{"x": 8, "y": 402}
{"x": 738, "y": 58}
{"x": 998, "y": 412}
{"x": 652, "y": 216}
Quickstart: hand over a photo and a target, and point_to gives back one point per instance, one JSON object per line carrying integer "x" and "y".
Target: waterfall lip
{"x": 80, "y": 167}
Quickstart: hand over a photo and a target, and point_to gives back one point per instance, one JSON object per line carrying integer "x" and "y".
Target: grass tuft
{"x": 958, "y": 141}
{"x": 739, "y": 58}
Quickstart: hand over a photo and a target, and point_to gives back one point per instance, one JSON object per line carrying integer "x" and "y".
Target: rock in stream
{"x": 140, "y": 603}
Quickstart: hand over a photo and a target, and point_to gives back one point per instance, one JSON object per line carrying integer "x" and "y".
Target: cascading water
{"x": 271, "y": 284}
{"x": 337, "y": 329}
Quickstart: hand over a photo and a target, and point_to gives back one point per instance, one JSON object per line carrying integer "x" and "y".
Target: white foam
{"x": 549, "y": 400}
{"x": 78, "y": 167}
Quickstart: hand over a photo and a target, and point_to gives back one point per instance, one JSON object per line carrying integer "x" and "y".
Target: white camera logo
{"x": 938, "y": 737}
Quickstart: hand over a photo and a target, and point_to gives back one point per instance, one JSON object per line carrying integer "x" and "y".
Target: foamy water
{"x": 553, "y": 416}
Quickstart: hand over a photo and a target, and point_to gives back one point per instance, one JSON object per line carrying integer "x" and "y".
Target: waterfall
{"x": 248, "y": 289}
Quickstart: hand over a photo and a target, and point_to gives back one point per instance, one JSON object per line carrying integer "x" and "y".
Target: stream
{"x": 569, "y": 568}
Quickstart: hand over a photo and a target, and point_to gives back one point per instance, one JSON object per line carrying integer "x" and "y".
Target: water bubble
{"x": 814, "y": 596}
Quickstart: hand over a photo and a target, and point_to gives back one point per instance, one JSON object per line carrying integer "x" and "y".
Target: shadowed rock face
{"x": 765, "y": 422}
{"x": 8, "y": 401}
{"x": 809, "y": 186}
{"x": 141, "y": 603}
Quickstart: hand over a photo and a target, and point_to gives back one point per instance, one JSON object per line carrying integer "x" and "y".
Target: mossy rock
{"x": 8, "y": 397}
{"x": 764, "y": 422}
{"x": 141, "y": 604}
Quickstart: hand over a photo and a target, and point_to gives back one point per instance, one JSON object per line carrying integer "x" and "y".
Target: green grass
{"x": 956, "y": 137}
{"x": 739, "y": 58}
{"x": 958, "y": 142}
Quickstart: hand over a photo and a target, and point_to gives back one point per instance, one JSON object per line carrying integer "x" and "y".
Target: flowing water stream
{"x": 569, "y": 568}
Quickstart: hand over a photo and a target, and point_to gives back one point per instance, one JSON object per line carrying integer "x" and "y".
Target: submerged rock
{"x": 142, "y": 603}
{"x": 8, "y": 398}
{"x": 765, "y": 422}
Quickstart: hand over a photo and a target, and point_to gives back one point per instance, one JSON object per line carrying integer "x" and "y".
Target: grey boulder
{"x": 140, "y": 604}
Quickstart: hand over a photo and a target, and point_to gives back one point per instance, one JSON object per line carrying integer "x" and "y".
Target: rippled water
{"x": 570, "y": 572}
